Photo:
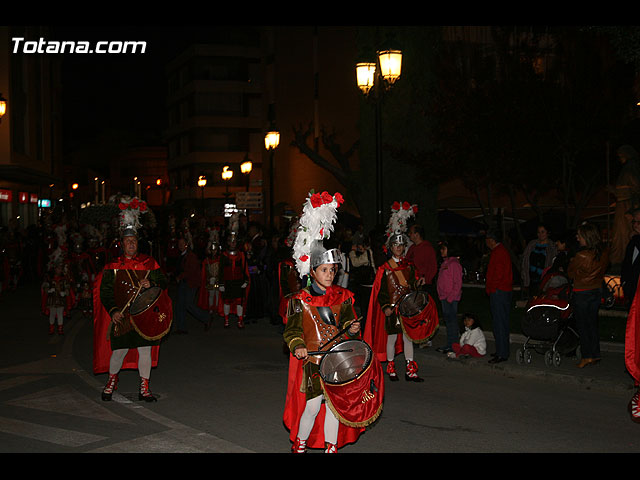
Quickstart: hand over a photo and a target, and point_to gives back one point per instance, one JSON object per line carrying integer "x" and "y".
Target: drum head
{"x": 144, "y": 300}
{"x": 412, "y": 304}
{"x": 351, "y": 358}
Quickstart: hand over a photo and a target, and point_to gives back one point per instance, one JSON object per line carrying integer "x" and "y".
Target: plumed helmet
{"x": 316, "y": 224}
{"x": 397, "y": 226}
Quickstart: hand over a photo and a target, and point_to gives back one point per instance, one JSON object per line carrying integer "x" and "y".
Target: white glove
{"x": 244, "y": 285}
{"x": 221, "y": 288}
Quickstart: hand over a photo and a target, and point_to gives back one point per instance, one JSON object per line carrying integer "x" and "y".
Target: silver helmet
{"x": 398, "y": 238}
{"x": 320, "y": 255}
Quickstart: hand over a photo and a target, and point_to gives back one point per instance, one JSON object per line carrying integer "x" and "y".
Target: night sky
{"x": 121, "y": 97}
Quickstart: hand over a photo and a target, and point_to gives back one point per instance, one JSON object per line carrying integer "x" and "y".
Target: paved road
{"x": 222, "y": 391}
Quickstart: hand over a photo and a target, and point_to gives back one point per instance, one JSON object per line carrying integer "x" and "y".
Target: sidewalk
{"x": 608, "y": 375}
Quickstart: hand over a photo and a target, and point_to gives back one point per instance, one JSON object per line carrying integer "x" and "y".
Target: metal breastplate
{"x": 212, "y": 273}
{"x": 125, "y": 285}
{"x": 319, "y": 325}
{"x": 395, "y": 288}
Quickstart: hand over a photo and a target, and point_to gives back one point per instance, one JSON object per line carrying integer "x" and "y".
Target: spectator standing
{"x": 538, "y": 255}
{"x": 422, "y": 254}
{"x": 189, "y": 280}
{"x": 564, "y": 250}
{"x": 499, "y": 287}
{"x": 363, "y": 273}
{"x": 586, "y": 270}
{"x": 449, "y": 286}
{"x": 255, "y": 252}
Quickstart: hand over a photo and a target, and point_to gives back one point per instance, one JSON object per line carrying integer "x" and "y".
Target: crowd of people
{"x": 357, "y": 282}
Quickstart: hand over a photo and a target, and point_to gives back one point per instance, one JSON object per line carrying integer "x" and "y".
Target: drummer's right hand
{"x": 117, "y": 317}
{"x": 300, "y": 353}
{"x": 388, "y": 311}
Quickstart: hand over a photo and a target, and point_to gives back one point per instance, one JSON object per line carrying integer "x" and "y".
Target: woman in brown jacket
{"x": 586, "y": 270}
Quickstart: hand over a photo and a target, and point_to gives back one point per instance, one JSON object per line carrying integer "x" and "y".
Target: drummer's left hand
{"x": 145, "y": 283}
{"x": 421, "y": 281}
{"x": 354, "y": 328}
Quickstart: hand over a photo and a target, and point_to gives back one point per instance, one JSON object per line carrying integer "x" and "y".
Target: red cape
{"x": 240, "y": 300}
{"x": 296, "y": 400}
{"x": 632, "y": 340}
{"x": 374, "y": 332}
{"x": 102, "y": 320}
{"x": 203, "y": 292}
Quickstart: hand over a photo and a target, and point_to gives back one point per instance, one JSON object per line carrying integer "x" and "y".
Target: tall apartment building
{"x": 30, "y": 131}
{"x": 216, "y": 118}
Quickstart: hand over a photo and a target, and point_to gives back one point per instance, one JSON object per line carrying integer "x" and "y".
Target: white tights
{"x": 227, "y": 310}
{"x": 56, "y": 312}
{"x": 213, "y": 297}
{"x": 391, "y": 349}
{"x": 308, "y": 418}
{"x": 144, "y": 361}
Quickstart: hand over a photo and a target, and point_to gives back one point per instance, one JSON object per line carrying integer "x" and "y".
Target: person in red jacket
{"x": 189, "y": 281}
{"x": 422, "y": 254}
{"x": 499, "y": 287}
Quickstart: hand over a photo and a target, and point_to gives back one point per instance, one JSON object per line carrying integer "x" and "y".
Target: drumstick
{"x": 135, "y": 294}
{"x": 129, "y": 301}
{"x": 323, "y": 352}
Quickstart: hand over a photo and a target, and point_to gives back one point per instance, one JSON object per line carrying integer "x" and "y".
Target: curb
{"x": 588, "y": 379}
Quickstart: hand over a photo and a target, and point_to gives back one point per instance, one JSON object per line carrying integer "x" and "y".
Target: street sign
{"x": 248, "y": 200}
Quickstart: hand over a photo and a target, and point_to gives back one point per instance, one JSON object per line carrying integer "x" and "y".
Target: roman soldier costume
{"x": 632, "y": 355}
{"x": 318, "y": 319}
{"x": 389, "y": 335}
{"x": 55, "y": 294}
{"x": 208, "y": 294}
{"x": 235, "y": 281}
{"x": 288, "y": 281}
{"x": 120, "y": 345}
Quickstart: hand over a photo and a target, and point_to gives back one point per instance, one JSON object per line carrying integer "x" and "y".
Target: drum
{"x": 151, "y": 313}
{"x": 413, "y": 304}
{"x": 418, "y": 315}
{"x": 353, "y": 383}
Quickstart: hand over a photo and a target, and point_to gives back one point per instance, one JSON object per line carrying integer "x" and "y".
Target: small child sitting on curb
{"x": 472, "y": 341}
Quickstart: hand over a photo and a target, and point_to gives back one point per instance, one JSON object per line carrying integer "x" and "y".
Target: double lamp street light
{"x": 373, "y": 80}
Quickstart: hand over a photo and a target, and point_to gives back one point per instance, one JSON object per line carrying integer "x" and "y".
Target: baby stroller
{"x": 547, "y": 322}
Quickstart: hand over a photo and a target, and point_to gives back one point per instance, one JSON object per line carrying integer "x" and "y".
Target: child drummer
{"x": 311, "y": 323}
{"x": 385, "y": 330}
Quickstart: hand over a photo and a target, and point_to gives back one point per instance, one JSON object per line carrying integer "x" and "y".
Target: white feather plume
{"x": 400, "y": 214}
{"x": 316, "y": 223}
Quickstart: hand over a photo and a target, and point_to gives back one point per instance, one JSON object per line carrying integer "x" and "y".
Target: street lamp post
{"x": 374, "y": 79}
{"x": 227, "y": 174}
{"x": 246, "y": 168}
{"x": 271, "y": 142}
{"x": 202, "y": 182}
{"x": 3, "y": 106}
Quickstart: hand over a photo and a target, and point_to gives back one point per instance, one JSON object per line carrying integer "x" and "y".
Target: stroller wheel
{"x": 548, "y": 358}
{"x": 557, "y": 359}
{"x": 520, "y": 356}
{"x": 528, "y": 357}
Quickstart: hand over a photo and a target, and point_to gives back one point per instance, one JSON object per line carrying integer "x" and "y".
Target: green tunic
{"x": 294, "y": 337}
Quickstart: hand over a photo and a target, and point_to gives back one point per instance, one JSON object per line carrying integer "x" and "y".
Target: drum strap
{"x": 400, "y": 276}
